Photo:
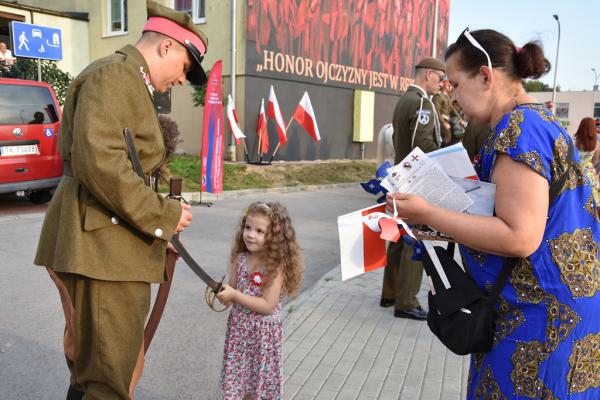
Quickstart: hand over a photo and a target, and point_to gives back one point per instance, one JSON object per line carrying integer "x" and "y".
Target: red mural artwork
{"x": 372, "y": 43}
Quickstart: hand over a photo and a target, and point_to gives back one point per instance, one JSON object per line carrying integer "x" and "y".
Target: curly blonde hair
{"x": 283, "y": 250}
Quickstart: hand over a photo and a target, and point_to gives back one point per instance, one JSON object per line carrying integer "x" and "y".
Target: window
{"x": 117, "y": 16}
{"x": 21, "y": 104}
{"x": 562, "y": 110}
{"x": 193, "y": 7}
{"x": 596, "y": 110}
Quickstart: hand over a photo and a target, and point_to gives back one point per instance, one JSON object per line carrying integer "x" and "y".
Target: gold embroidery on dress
{"x": 488, "y": 388}
{"x": 585, "y": 364}
{"x": 507, "y": 138}
{"x": 576, "y": 256}
{"x": 533, "y": 159}
{"x": 528, "y": 356}
{"x": 508, "y": 319}
{"x": 526, "y": 360}
{"x": 478, "y": 256}
{"x": 591, "y": 208}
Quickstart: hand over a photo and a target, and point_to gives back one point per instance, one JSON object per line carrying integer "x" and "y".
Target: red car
{"x": 29, "y": 121}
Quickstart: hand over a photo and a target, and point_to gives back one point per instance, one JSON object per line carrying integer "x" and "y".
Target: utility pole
{"x": 556, "y": 63}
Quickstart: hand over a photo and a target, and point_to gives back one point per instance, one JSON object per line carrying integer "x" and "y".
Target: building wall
{"x": 75, "y": 50}
{"x": 581, "y": 105}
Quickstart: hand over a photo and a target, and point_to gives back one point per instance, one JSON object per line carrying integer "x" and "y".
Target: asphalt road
{"x": 185, "y": 358}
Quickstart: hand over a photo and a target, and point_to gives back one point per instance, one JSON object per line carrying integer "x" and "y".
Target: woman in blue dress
{"x": 547, "y": 335}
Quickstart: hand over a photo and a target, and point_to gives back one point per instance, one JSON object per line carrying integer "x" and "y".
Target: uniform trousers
{"x": 402, "y": 276}
{"x": 104, "y": 333}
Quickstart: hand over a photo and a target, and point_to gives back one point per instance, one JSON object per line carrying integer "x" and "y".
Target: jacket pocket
{"x": 96, "y": 218}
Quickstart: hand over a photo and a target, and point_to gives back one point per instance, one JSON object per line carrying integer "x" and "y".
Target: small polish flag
{"x": 361, "y": 248}
{"x": 261, "y": 129}
{"x": 305, "y": 116}
{"x": 233, "y": 121}
{"x": 274, "y": 112}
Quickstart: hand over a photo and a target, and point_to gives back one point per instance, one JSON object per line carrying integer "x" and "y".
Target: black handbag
{"x": 463, "y": 315}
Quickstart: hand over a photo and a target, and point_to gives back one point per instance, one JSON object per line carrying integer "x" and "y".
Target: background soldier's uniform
{"x": 443, "y": 106}
{"x": 415, "y": 124}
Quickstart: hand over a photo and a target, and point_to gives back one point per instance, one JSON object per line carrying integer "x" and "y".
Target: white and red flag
{"x": 305, "y": 116}
{"x": 261, "y": 130}
{"x": 361, "y": 248}
{"x": 274, "y": 112}
{"x": 233, "y": 121}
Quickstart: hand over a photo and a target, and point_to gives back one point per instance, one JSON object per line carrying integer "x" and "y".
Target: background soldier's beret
{"x": 180, "y": 26}
{"x": 431, "y": 63}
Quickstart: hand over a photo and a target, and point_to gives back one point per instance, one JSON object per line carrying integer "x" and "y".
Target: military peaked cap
{"x": 431, "y": 63}
{"x": 180, "y": 26}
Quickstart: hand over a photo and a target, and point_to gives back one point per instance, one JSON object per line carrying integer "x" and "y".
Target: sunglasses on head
{"x": 476, "y": 44}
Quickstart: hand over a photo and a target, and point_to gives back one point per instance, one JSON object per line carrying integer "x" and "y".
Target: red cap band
{"x": 174, "y": 30}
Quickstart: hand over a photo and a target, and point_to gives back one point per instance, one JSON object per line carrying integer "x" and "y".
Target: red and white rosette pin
{"x": 256, "y": 278}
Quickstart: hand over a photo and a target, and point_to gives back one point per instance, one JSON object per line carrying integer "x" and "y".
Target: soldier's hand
{"x": 184, "y": 219}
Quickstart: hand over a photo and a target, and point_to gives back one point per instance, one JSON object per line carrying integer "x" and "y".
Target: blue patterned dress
{"x": 547, "y": 340}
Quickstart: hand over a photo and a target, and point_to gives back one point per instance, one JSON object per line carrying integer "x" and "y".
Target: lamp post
{"x": 556, "y": 63}
{"x": 596, "y": 75}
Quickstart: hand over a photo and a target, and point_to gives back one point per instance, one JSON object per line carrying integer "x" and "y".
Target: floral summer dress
{"x": 252, "y": 358}
{"x": 547, "y": 339}
{"x": 587, "y": 165}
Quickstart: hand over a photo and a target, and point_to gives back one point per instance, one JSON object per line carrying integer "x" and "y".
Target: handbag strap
{"x": 510, "y": 262}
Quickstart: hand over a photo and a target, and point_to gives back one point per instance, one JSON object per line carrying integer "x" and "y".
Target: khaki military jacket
{"x": 104, "y": 222}
{"x": 415, "y": 124}
{"x": 443, "y": 106}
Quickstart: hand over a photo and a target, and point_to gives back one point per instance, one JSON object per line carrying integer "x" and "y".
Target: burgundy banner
{"x": 364, "y": 44}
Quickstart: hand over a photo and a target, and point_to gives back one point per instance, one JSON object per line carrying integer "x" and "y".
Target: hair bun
{"x": 530, "y": 61}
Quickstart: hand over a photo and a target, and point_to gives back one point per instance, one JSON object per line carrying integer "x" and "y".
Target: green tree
{"x": 533, "y": 85}
{"x": 26, "y": 68}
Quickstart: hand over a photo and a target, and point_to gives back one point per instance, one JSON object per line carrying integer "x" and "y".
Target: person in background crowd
{"x": 6, "y": 56}
{"x": 589, "y": 152}
{"x": 415, "y": 123}
{"x": 547, "y": 327}
{"x": 443, "y": 106}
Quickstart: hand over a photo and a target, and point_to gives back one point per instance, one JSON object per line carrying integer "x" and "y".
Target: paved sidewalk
{"x": 340, "y": 344}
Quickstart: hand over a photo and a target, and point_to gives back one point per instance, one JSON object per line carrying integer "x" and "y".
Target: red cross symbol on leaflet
{"x": 415, "y": 158}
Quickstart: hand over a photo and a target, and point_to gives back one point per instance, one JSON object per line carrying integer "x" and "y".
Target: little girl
{"x": 265, "y": 264}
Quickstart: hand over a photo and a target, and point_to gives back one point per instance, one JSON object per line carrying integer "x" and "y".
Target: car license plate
{"x": 19, "y": 150}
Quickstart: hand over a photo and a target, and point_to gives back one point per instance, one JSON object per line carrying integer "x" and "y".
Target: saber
{"x": 175, "y": 184}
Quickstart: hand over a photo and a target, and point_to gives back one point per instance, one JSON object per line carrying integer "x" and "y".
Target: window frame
{"x": 124, "y": 23}
{"x": 195, "y": 10}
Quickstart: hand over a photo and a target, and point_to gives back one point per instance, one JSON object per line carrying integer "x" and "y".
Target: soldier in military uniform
{"x": 105, "y": 235}
{"x": 443, "y": 106}
{"x": 415, "y": 124}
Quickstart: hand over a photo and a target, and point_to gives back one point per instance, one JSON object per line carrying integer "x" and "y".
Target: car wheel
{"x": 40, "y": 196}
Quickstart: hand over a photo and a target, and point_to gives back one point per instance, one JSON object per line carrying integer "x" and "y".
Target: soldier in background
{"x": 415, "y": 124}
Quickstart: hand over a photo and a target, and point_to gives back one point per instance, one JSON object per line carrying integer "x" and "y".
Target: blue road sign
{"x": 35, "y": 41}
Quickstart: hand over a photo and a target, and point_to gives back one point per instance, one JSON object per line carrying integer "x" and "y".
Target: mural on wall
{"x": 362, "y": 44}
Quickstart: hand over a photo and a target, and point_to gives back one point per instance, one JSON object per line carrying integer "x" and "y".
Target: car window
{"x": 20, "y": 104}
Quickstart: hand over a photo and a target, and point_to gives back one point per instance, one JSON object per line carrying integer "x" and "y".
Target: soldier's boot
{"x": 74, "y": 394}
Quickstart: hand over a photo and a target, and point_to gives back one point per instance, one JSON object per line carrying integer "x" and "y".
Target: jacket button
{"x": 158, "y": 232}
{"x": 114, "y": 220}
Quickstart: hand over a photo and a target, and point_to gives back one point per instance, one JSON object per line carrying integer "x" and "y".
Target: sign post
{"x": 35, "y": 41}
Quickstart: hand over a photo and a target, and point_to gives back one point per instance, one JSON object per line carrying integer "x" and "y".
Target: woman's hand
{"x": 413, "y": 209}
{"x": 227, "y": 295}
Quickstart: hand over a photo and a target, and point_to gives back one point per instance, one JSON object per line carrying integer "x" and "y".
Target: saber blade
{"x": 183, "y": 253}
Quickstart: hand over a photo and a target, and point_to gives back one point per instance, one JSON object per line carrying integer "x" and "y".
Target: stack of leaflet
{"x": 445, "y": 177}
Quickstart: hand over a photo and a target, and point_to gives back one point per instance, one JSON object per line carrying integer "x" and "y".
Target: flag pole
{"x": 274, "y": 152}
{"x": 278, "y": 144}
{"x": 246, "y": 151}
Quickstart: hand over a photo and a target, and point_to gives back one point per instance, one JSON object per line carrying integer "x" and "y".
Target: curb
{"x": 195, "y": 197}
